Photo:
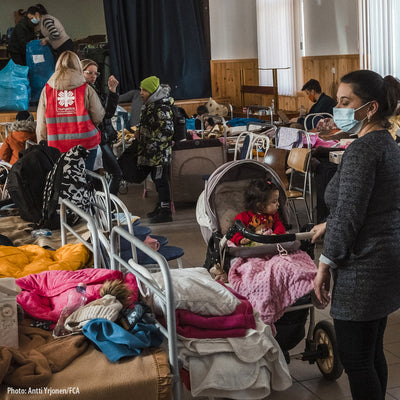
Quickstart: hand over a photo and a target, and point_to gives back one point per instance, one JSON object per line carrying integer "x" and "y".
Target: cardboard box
{"x": 335, "y": 157}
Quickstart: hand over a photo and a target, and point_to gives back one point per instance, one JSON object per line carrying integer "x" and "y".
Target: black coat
{"x": 110, "y": 103}
{"x": 23, "y": 33}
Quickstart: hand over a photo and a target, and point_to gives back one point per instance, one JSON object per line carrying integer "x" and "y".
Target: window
{"x": 275, "y": 33}
{"x": 379, "y": 34}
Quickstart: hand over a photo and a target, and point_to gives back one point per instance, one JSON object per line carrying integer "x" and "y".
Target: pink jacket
{"x": 44, "y": 295}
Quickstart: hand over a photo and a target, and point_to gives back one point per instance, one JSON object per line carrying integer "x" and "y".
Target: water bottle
{"x": 76, "y": 298}
{"x": 273, "y": 107}
{"x": 40, "y": 232}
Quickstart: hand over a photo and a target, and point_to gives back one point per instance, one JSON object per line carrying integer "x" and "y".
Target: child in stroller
{"x": 262, "y": 203}
{"x": 273, "y": 276}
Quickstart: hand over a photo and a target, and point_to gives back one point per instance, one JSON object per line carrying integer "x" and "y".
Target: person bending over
{"x": 51, "y": 29}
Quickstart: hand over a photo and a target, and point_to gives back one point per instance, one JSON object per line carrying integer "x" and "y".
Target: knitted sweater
{"x": 52, "y": 29}
{"x": 363, "y": 229}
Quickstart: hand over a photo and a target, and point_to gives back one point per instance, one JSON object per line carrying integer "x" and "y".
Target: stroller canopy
{"x": 223, "y": 196}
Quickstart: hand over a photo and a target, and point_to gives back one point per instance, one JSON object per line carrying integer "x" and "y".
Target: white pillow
{"x": 196, "y": 291}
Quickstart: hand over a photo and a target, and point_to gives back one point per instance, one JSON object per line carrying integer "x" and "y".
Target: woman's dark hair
{"x": 37, "y": 8}
{"x": 258, "y": 191}
{"x": 368, "y": 85}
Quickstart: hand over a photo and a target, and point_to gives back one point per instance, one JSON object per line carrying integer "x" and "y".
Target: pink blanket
{"x": 197, "y": 326}
{"x": 44, "y": 295}
{"x": 272, "y": 284}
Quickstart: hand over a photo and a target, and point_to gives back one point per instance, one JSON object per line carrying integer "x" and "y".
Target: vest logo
{"x": 66, "y": 102}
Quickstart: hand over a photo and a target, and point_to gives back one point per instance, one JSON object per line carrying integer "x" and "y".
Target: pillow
{"x": 196, "y": 291}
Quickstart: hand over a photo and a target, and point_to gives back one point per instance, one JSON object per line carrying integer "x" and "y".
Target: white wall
{"x": 80, "y": 18}
{"x": 233, "y": 29}
{"x": 330, "y": 27}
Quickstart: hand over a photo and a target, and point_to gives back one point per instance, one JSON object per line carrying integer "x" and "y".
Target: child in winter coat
{"x": 23, "y": 129}
{"x": 261, "y": 215}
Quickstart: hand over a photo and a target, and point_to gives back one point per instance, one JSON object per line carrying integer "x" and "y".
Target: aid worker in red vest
{"x": 69, "y": 110}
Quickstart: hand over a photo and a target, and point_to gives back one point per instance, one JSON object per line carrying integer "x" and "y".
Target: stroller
{"x": 219, "y": 203}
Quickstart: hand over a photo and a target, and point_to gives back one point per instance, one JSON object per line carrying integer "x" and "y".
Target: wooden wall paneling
{"x": 329, "y": 69}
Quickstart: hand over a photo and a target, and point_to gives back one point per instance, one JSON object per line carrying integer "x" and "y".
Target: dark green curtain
{"x": 159, "y": 37}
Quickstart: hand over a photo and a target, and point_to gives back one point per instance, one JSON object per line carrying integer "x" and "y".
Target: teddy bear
{"x": 216, "y": 109}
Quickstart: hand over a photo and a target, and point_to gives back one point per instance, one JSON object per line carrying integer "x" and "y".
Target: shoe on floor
{"x": 151, "y": 214}
{"x": 163, "y": 215}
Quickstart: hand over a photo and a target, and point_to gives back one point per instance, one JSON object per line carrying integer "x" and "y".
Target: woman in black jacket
{"x": 108, "y": 134}
{"x": 22, "y": 34}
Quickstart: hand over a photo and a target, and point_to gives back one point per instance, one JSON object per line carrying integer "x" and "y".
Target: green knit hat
{"x": 150, "y": 84}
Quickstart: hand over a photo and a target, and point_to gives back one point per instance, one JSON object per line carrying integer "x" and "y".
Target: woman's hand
{"x": 43, "y": 42}
{"x": 322, "y": 284}
{"x": 112, "y": 83}
{"x": 318, "y": 231}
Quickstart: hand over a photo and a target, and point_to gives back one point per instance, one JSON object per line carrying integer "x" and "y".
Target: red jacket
{"x": 249, "y": 218}
{"x": 68, "y": 122}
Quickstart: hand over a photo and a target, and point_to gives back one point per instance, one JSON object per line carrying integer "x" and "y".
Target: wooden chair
{"x": 276, "y": 158}
{"x": 299, "y": 163}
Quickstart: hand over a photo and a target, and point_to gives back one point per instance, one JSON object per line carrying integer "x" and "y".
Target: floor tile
{"x": 296, "y": 392}
{"x": 328, "y": 390}
{"x": 394, "y": 393}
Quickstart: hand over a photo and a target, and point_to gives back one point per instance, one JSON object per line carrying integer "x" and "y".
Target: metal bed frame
{"x": 166, "y": 296}
{"x": 140, "y": 272}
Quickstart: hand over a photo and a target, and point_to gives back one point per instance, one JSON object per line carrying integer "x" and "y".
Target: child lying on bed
{"x": 261, "y": 200}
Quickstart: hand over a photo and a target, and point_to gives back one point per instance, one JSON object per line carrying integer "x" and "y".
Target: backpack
{"x": 67, "y": 180}
{"x": 179, "y": 123}
{"x": 27, "y": 179}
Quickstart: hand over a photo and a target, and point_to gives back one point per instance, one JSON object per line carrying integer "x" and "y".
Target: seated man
{"x": 322, "y": 102}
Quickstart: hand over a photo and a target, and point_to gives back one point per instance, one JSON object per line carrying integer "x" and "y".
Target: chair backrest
{"x": 298, "y": 159}
{"x": 251, "y": 145}
{"x": 315, "y": 117}
{"x": 276, "y": 158}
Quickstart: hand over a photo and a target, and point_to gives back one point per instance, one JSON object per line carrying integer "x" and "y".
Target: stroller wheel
{"x": 325, "y": 341}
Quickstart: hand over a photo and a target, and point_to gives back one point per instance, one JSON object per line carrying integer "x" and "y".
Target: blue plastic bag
{"x": 40, "y": 61}
{"x": 14, "y": 87}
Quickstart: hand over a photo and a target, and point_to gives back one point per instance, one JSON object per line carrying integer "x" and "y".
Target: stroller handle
{"x": 287, "y": 237}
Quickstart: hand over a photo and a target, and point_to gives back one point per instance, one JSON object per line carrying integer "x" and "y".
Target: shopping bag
{"x": 14, "y": 87}
{"x": 40, "y": 61}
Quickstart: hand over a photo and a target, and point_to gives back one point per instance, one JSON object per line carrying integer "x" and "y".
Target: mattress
{"x": 92, "y": 377}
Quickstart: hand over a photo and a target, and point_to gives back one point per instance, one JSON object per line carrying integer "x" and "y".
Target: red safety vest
{"x": 68, "y": 122}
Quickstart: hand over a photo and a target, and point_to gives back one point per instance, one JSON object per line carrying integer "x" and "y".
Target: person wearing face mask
{"x": 22, "y": 34}
{"x": 322, "y": 102}
{"x": 361, "y": 235}
{"x": 51, "y": 29}
{"x": 108, "y": 133}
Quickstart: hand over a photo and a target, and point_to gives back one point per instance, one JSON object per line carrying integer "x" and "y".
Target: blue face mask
{"x": 35, "y": 21}
{"x": 345, "y": 120}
